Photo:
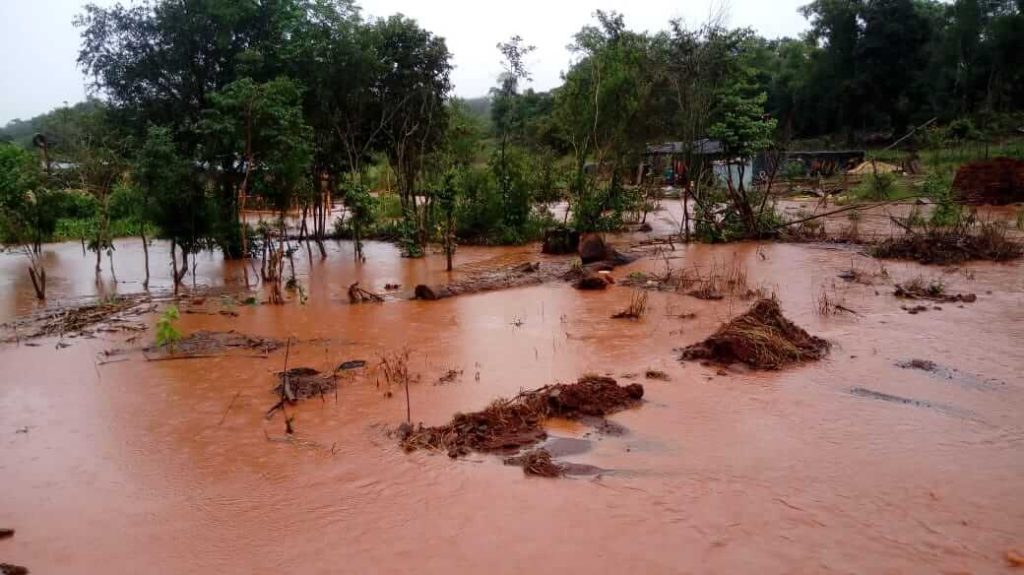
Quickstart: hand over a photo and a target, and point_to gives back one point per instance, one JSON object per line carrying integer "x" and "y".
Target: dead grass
{"x": 761, "y": 338}
{"x": 637, "y": 306}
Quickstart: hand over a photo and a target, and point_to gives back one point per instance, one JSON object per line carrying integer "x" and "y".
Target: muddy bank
{"x": 510, "y": 424}
{"x": 761, "y": 338}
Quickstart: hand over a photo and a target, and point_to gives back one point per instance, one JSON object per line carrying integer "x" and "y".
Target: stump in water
{"x": 761, "y": 338}
{"x": 509, "y": 424}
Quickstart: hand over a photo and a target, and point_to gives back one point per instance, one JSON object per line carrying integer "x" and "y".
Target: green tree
{"x": 28, "y": 211}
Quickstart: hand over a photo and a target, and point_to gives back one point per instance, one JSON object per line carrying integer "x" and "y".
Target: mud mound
{"x": 999, "y": 181}
{"x": 509, "y": 424}
{"x": 203, "y": 343}
{"x": 761, "y": 338}
{"x": 304, "y": 383}
{"x": 536, "y": 462}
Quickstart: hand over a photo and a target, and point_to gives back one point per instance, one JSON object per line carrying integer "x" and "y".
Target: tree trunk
{"x": 145, "y": 256}
{"x": 38, "y": 280}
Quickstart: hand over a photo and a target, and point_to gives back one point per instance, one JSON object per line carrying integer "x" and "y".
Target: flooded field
{"x": 862, "y": 462}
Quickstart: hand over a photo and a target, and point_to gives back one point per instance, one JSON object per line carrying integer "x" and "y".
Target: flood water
{"x": 170, "y": 466}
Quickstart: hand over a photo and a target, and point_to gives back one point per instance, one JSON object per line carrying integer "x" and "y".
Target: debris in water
{"x": 6, "y": 533}
{"x": 351, "y": 364}
{"x": 655, "y": 374}
{"x": 536, "y": 462}
{"x": 357, "y": 294}
{"x": 449, "y": 376}
{"x": 761, "y": 338}
{"x": 304, "y": 383}
{"x": 922, "y": 364}
{"x": 934, "y": 291}
{"x": 209, "y": 343}
{"x": 508, "y": 424}
{"x": 107, "y": 314}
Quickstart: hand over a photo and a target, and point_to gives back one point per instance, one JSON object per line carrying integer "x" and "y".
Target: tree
{"x": 28, "y": 211}
{"x": 603, "y": 111}
{"x": 260, "y": 129}
{"x": 507, "y": 117}
{"x": 177, "y": 202}
{"x": 411, "y": 88}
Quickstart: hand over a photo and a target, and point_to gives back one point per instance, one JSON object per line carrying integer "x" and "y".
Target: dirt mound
{"x": 999, "y": 181}
{"x": 202, "y": 343}
{"x": 304, "y": 383}
{"x": 509, "y": 424}
{"x": 761, "y": 338}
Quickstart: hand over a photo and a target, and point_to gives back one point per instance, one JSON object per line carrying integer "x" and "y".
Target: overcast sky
{"x": 39, "y": 45}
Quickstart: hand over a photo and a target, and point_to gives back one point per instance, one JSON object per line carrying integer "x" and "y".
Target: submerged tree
{"x": 28, "y": 211}
{"x": 176, "y": 200}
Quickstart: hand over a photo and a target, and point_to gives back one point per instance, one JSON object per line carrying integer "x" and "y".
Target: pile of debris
{"x": 304, "y": 383}
{"x": 999, "y": 182}
{"x": 510, "y": 424}
{"x": 111, "y": 314}
{"x": 210, "y": 343}
{"x": 761, "y": 338}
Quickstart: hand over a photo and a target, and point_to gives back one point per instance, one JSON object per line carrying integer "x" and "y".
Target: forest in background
{"x": 204, "y": 110}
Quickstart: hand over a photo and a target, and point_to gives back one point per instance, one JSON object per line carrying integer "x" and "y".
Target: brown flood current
{"x": 127, "y": 468}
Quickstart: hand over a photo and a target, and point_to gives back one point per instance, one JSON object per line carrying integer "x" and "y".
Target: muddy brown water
{"x": 127, "y": 468}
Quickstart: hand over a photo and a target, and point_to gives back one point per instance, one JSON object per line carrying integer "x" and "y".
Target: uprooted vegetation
{"x": 965, "y": 240}
{"x": 761, "y": 338}
{"x": 510, "y": 424}
{"x": 111, "y": 314}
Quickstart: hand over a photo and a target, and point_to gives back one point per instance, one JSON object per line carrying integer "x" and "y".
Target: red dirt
{"x": 761, "y": 338}
{"x": 998, "y": 182}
